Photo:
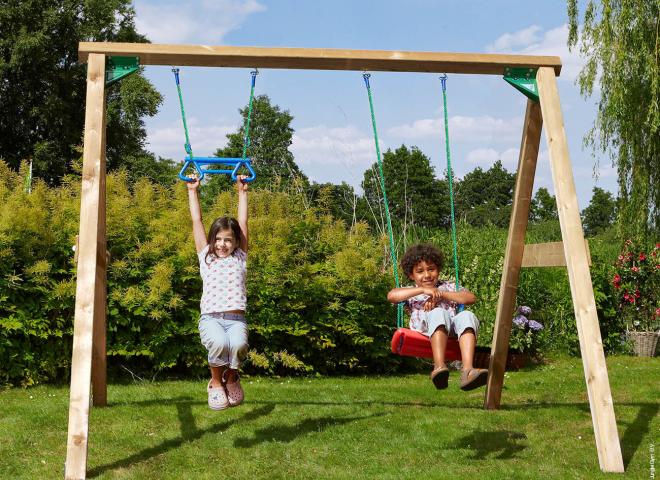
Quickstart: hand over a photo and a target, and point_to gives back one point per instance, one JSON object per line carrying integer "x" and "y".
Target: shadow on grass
{"x": 632, "y": 437}
{"x": 412, "y": 403}
{"x": 189, "y": 433}
{"x": 285, "y": 433}
{"x": 503, "y": 444}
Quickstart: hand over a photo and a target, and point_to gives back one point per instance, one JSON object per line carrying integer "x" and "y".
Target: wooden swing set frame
{"x": 88, "y": 366}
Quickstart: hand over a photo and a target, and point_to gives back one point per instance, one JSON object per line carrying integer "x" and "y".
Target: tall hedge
{"x": 316, "y": 288}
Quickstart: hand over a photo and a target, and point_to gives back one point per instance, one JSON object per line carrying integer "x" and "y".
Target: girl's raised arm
{"x": 242, "y": 215}
{"x": 196, "y": 214}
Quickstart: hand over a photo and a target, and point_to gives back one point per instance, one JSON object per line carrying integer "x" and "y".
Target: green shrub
{"x": 316, "y": 287}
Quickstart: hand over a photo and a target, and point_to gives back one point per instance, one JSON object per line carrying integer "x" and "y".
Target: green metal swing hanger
{"x": 523, "y": 80}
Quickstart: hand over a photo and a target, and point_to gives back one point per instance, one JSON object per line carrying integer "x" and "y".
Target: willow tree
{"x": 620, "y": 40}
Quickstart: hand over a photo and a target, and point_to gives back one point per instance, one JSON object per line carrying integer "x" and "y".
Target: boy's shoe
{"x": 473, "y": 378}
{"x": 235, "y": 394}
{"x": 440, "y": 377}
{"x": 217, "y": 397}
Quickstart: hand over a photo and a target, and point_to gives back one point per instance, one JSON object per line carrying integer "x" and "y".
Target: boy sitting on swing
{"x": 433, "y": 304}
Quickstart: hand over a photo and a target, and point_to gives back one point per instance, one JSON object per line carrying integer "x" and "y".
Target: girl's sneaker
{"x": 217, "y": 397}
{"x": 235, "y": 393}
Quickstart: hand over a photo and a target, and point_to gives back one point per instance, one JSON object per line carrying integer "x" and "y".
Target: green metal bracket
{"x": 523, "y": 80}
{"x": 117, "y": 68}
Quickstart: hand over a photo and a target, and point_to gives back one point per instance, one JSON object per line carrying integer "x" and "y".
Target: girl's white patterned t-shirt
{"x": 223, "y": 281}
{"x": 418, "y": 320}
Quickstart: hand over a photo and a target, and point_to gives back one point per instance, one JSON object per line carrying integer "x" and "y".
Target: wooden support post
{"x": 99, "y": 364}
{"x": 591, "y": 345}
{"x": 549, "y": 254}
{"x": 529, "y": 149}
{"x": 91, "y": 268}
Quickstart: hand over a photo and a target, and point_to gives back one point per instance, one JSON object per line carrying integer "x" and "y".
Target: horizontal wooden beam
{"x": 317, "y": 58}
{"x": 547, "y": 254}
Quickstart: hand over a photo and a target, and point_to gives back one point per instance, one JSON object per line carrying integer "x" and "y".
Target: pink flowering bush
{"x": 637, "y": 284}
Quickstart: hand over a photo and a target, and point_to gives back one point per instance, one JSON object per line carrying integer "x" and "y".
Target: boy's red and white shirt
{"x": 416, "y": 306}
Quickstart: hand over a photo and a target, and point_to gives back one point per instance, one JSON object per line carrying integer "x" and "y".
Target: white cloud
{"x": 333, "y": 154}
{"x": 482, "y": 156}
{"x": 424, "y": 128}
{"x": 521, "y": 38}
{"x": 193, "y": 21}
{"x": 510, "y": 158}
{"x": 482, "y": 129}
{"x": 168, "y": 141}
{"x": 533, "y": 41}
{"x": 486, "y": 157}
{"x": 607, "y": 171}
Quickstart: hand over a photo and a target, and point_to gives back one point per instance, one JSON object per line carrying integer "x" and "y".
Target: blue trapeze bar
{"x": 200, "y": 162}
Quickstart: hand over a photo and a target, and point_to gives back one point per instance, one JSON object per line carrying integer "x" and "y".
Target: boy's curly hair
{"x": 421, "y": 252}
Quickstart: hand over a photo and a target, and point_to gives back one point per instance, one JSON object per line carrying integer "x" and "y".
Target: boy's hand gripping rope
{"x": 399, "y": 310}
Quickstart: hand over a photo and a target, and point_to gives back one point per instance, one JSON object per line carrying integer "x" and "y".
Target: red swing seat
{"x": 409, "y": 343}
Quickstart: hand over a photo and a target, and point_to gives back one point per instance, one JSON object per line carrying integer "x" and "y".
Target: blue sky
{"x": 333, "y": 139}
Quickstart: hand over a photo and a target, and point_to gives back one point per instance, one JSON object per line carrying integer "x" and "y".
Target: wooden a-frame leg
{"x": 591, "y": 345}
{"x": 91, "y": 268}
{"x": 515, "y": 246}
{"x": 99, "y": 364}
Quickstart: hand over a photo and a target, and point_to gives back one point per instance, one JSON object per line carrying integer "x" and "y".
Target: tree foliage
{"x": 621, "y": 43}
{"x": 599, "y": 214}
{"x": 543, "y": 206}
{"x": 414, "y": 194}
{"x": 42, "y": 85}
{"x": 340, "y": 201}
{"x": 270, "y": 137}
{"x": 485, "y": 197}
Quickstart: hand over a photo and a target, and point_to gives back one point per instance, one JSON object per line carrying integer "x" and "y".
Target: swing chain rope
{"x": 399, "y": 310}
{"x": 450, "y": 178}
{"x": 246, "y": 140}
{"x": 188, "y": 147}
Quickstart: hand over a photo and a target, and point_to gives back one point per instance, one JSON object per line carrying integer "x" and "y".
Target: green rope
{"x": 246, "y": 141}
{"x": 450, "y": 177}
{"x": 399, "y": 310}
{"x": 183, "y": 113}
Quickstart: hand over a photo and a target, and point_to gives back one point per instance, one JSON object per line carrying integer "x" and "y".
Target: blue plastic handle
{"x": 199, "y": 162}
{"x": 250, "y": 178}
{"x": 186, "y": 164}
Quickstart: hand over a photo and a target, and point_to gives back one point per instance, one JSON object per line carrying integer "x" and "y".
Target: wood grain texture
{"x": 529, "y": 151}
{"x": 549, "y": 254}
{"x": 317, "y": 58}
{"x": 591, "y": 345}
{"x": 89, "y": 269}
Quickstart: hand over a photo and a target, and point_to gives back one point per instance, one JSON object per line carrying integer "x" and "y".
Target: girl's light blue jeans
{"x": 225, "y": 337}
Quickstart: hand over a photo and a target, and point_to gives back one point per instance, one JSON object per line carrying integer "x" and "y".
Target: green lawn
{"x": 366, "y": 427}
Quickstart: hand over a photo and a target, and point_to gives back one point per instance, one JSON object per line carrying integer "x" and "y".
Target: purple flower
{"x": 534, "y": 325}
{"x": 523, "y": 310}
{"x": 520, "y": 321}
